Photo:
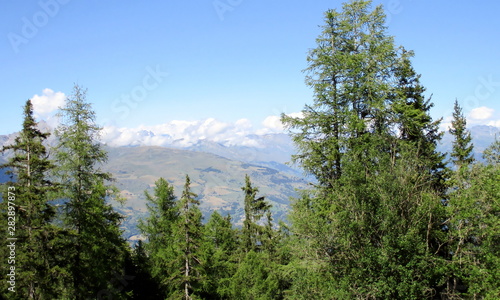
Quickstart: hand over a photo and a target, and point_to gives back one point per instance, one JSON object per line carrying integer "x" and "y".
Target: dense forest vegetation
{"x": 388, "y": 218}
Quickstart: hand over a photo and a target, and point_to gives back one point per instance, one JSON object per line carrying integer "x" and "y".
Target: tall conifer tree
{"x": 253, "y": 234}
{"x": 189, "y": 237}
{"x": 461, "y": 154}
{"x": 38, "y": 276}
{"x": 99, "y": 247}
{"x": 159, "y": 228}
{"x": 371, "y": 144}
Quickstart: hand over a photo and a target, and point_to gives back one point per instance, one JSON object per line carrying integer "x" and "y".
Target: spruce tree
{"x": 37, "y": 273}
{"x": 158, "y": 229}
{"x": 253, "y": 234}
{"x": 256, "y": 276}
{"x": 189, "y": 239}
{"x": 461, "y": 154}
{"x": 416, "y": 127}
{"x": 99, "y": 247}
{"x": 219, "y": 254}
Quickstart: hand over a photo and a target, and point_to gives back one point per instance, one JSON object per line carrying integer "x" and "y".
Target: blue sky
{"x": 186, "y": 60}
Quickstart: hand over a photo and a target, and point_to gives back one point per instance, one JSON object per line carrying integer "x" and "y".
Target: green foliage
{"x": 218, "y": 254}
{"x": 372, "y": 225}
{"x": 462, "y": 144}
{"x": 474, "y": 236}
{"x": 348, "y": 71}
{"x": 386, "y": 219}
{"x": 143, "y": 285}
{"x": 492, "y": 153}
{"x": 254, "y": 236}
{"x": 99, "y": 249}
{"x": 256, "y": 278}
{"x": 158, "y": 228}
{"x": 189, "y": 239}
{"x": 37, "y": 245}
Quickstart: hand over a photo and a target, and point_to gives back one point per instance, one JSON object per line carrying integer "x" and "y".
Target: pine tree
{"x": 189, "y": 238}
{"x": 460, "y": 206}
{"x": 99, "y": 247}
{"x": 159, "y": 229}
{"x": 416, "y": 127}
{"x": 492, "y": 153}
{"x": 219, "y": 254}
{"x": 461, "y": 154}
{"x": 38, "y": 276}
{"x": 257, "y": 275}
{"x": 253, "y": 234}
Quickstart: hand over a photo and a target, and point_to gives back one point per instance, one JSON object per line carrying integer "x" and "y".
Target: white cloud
{"x": 494, "y": 123}
{"x": 273, "y": 123}
{"x": 46, "y": 104}
{"x": 182, "y": 133}
{"x": 481, "y": 113}
{"x": 446, "y": 123}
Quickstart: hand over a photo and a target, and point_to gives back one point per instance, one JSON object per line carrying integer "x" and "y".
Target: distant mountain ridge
{"x": 216, "y": 180}
{"x": 217, "y": 171}
{"x": 482, "y": 137}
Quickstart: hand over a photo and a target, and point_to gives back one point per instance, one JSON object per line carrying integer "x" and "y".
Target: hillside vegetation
{"x": 388, "y": 215}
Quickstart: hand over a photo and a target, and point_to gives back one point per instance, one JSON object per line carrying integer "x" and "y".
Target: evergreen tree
{"x": 348, "y": 72}
{"x": 99, "y": 247}
{"x": 256, "y": 278}
{"x": 159, "y": 229}
{"x": 219, "y": 255}
{"x": 37, "y": 275}
{"x": 474, "y": 228}
{"x": 373, "y": 223}
{"x": 416, "y": 128}
{"x": 257, "y": 275}
{"x": 492, "y": 153}
{"x": 144, "y": 286}
{"x": 253, "y": 234}
{"x": 189, "y": 239}
{"x": 460, "y": 206}
{"x": 462, "y": 144}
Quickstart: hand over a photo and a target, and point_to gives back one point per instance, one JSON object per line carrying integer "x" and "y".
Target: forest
{"x": 388, "y": 217}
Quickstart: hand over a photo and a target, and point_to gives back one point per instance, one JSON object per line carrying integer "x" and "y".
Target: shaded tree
{"x": 159, "y": 229}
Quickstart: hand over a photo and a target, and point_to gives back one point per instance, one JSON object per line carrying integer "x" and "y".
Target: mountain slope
{"x": 216, "y": 180}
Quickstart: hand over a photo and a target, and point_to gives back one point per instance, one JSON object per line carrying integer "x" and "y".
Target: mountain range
{"x": 217, "y": 172}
